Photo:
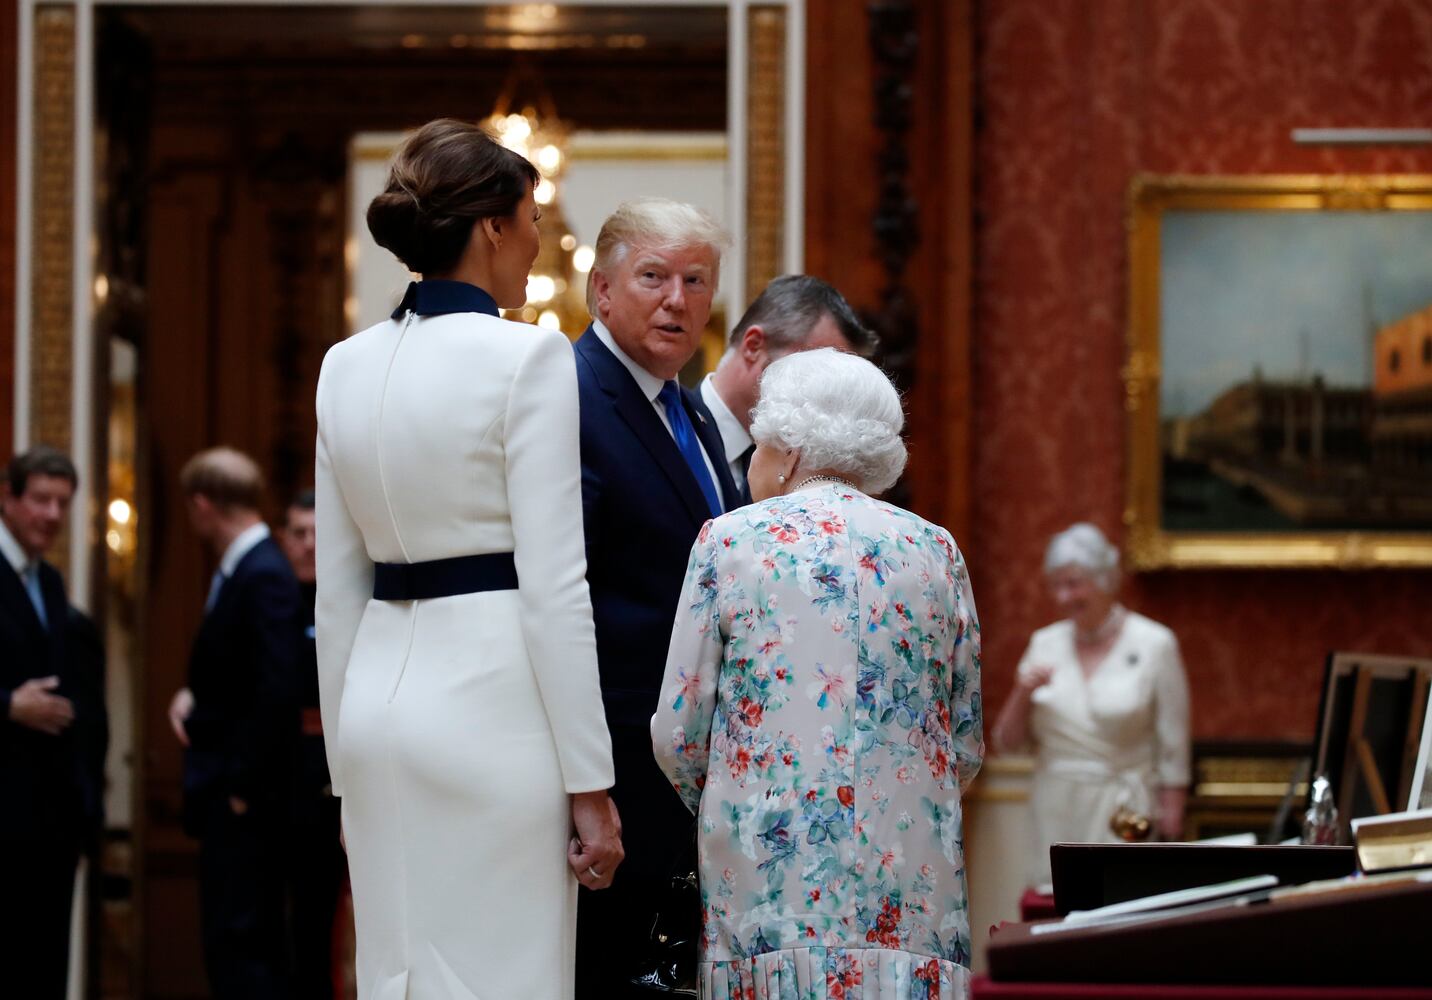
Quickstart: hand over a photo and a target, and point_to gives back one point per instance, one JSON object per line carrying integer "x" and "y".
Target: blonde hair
{"x": 653, "y": 224}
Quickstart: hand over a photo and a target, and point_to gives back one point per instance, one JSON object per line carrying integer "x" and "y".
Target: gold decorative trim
{"x": 979, "y": 794}
{"x": 52, "y": 250}
{"x": 369, "y": 154}
{"x": 1007, "y": 765}
{"x": 714, "y": 150}
{"x": 702, "y": 149}
{"x": 1274, "y": 790}
{"x": 765, "y": 147}
{"x": 1148, "y": 545}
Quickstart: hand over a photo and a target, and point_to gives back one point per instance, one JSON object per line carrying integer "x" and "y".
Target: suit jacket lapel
{"x": 638, "y": 414}
{"x": 57, "y": 610}
{"x": 226, "y": 589}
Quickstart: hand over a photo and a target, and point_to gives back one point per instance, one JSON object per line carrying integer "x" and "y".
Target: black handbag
{"x": 669, "y": 967}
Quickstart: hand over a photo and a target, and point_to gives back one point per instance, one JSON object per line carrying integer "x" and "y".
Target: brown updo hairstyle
{"x": 446, "y": 177}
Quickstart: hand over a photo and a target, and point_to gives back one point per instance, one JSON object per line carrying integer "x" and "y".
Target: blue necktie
{"x": 685, "y": 435}
{"x": 32, "y": 587}
{"x": 215, "y": 585}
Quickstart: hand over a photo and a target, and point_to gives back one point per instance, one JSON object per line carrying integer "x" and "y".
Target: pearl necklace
{"x": 823, "y": 479}
{"x": 1104, "y": 630}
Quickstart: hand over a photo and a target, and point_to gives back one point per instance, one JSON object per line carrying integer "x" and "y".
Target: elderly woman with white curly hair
{"x": 1102, "y": 698}
{"x": 820, "y": 711}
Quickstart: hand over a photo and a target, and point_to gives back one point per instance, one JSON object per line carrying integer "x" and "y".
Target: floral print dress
{"x": 821, "y": 714}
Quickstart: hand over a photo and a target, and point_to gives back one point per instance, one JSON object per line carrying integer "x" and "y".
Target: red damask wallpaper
{"x": 1074, "y": 97}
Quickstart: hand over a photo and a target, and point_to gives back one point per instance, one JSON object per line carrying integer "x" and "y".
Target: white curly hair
{"x": 1084, "y": 547}
{"x": 839, "y": 411}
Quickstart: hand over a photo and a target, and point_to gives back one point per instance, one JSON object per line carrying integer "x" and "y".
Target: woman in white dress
{"x": 1102, "y": 698}
{"x": 457, "y": 663}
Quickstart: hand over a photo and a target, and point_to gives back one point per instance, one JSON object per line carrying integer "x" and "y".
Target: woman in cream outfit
{"x": 461, "y": 707}
{"x": 1102, "y": 697}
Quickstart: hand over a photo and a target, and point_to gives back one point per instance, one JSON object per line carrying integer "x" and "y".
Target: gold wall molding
{"x": 51, "y": 250}
{"x": 765, "y": 147}
{"x": 1002, "y": 778}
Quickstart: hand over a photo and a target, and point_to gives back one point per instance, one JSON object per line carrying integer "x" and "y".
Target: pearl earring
{"x": 781, "y": 478}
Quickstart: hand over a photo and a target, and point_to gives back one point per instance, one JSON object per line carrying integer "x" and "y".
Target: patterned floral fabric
{"x": 821, "y": 715}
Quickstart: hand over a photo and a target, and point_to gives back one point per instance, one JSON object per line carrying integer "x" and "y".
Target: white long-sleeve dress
{"x": 456, "y": 727}
{"x": 1103, "y": 742}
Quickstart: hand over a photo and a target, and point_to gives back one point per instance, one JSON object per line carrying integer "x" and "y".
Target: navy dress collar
{"x": 438, "y": 296}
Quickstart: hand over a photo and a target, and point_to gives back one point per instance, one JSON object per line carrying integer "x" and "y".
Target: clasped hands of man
{"x": 33, "y": 704}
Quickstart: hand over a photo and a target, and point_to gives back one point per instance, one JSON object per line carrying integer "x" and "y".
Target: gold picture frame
{"x": 1159, "y": 444}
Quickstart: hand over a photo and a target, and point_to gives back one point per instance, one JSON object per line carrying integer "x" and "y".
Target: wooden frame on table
{"x": 1279, "y": 376}
{"x": 1420, "y": 796}
{"x": 1370, "y": 722}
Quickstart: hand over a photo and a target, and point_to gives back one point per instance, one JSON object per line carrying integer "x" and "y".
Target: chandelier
{"x": 556, "y": 296}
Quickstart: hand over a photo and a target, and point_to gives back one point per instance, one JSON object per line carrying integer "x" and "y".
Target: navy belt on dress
{"x": 425, "y": 581}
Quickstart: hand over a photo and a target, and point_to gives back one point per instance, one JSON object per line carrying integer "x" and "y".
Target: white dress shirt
{"x": 650, "y": 386}
{"x": 26, "y": 568}
{"x": 734, "y": 437}
{"x": 14, "y": 554}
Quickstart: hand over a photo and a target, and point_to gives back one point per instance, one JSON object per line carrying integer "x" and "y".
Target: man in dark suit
{"x": 653, "y": 472}
{"x": 49, "y": 714}
{"x": 316, "y": 861}
{"x": 795, "y": 312}
{"x": 237, "y": 721}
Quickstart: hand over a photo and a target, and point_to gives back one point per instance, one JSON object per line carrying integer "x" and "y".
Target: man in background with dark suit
{"x": 237, "y": 721}
{"x": 795, "y": 312}
{"x": 653, "y": 472}
{"x": 316, "y": 861}
{"x": 49, "y": 717}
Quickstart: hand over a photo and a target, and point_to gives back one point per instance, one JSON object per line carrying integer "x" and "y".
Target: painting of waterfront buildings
{"x": 1296, "y": 383}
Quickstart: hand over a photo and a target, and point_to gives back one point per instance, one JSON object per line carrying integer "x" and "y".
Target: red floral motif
{"x": 740, "y": 763}
{"x": 844, "y": 976}
{"x": 784, "y": 533}
{"x": 939, "y": 763}
{"x": 886, "y": 932}
{"x": 750, "y": 712}
{"x": 929, "y": 974}
{"x": 846, "y": 794}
